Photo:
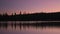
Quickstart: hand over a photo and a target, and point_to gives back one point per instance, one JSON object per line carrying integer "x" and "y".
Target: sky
{"x": 29, "y": 6}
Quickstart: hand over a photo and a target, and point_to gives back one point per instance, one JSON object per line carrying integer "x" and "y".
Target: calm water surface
{"x": 27, "y": 29}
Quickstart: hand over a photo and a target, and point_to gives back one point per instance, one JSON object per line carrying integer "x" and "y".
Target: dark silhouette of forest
{"x": 31, "y": 17}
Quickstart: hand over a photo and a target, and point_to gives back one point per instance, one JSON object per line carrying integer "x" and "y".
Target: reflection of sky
{"x": 29, "y": 5}
{"x": 29, "y": 30}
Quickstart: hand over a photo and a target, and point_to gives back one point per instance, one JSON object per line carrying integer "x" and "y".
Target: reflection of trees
{"x": 27, "y": 25}
{"x": 4, "y": 25}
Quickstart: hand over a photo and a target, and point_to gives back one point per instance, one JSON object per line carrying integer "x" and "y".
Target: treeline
{"x": 31, "y": 17}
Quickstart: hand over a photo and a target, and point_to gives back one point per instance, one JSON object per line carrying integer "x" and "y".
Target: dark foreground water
{"x": 10, "y": 27}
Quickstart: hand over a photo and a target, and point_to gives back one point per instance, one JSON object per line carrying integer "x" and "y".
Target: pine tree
{"x": 15, "y": 13}
{"x": 20, "y": 12}
{"x": 6, "y": 14}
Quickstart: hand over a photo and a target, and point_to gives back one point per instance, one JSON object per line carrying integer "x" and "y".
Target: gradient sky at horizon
{"x": 12, "y": 6}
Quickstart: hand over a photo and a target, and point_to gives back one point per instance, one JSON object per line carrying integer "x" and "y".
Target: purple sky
{"x": 11, "y": 6}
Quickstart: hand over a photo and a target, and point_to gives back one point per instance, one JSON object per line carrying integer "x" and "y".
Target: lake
{"x": 15, "y": 27}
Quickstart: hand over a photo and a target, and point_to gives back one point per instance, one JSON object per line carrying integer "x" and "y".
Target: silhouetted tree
{"x": 5, "y": 14}
{"x": 12, "y": 14}
{"x": 20, "y": 12}
{"x": 0, "y": 14}
{"x": 15, "y": 13}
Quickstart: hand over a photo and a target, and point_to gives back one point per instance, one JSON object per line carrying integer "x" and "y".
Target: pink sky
{"x": 11, "y": 6}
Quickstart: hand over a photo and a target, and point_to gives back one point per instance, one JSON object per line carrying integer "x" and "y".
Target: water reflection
{"x": 25, "y": 27}
{"x": 19, "y": 25}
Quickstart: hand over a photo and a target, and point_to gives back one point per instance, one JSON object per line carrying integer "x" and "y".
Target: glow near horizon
{"x": 11, "y": 6}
